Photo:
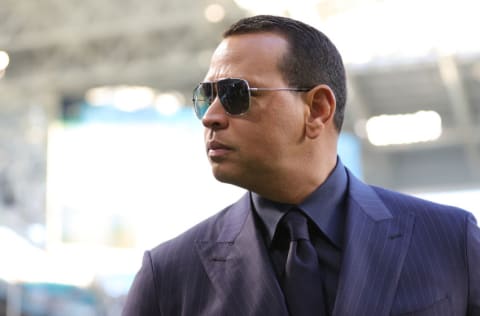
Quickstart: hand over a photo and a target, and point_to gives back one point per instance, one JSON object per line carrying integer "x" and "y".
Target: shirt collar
{"x": 324, "y": 207}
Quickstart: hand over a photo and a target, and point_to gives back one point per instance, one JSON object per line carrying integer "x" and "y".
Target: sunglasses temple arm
{"x": 278, "y": 89}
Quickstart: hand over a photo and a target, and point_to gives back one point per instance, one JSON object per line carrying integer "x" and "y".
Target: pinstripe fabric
{"x": 403, "y": 256}
{"x": 376, "y": 246}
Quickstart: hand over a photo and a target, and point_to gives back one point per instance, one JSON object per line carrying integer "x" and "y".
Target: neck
{"x": 296, "y": 184}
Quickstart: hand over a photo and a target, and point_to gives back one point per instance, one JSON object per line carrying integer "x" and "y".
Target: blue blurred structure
{"x": 349, "y": 149}
{"x": 48, "y": 299}
{"x": 45, "y": 299}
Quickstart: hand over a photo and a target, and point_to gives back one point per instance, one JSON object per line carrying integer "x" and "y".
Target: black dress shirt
{"x": 325, "y": 208}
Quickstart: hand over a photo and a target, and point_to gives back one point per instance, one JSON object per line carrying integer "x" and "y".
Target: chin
{"x": 226, "y": 176}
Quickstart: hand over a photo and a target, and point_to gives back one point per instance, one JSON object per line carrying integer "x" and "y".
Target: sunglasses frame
{"x": 214, "y": 85}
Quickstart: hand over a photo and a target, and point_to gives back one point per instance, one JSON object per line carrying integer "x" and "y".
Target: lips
{"x": 217, "y": 149}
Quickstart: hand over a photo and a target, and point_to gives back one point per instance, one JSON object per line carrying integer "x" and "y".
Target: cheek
{"x": 288, "y": 125}
{"x": 273, "y": 128}
{"x": 270, "y": 140}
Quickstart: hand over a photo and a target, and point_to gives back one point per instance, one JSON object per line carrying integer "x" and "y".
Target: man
{"x": 308, "y": 238}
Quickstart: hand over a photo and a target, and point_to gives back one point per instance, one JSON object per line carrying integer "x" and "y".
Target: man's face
{"x": 256, "y": 148}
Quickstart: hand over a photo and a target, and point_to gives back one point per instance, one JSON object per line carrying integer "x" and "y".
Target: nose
{"x": 216, "y": 117}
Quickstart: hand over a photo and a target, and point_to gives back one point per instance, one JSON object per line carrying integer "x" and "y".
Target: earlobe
{"x": 321, "y": 109}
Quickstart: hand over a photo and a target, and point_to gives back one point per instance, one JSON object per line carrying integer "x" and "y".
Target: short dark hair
{"x": 312, "y": 58}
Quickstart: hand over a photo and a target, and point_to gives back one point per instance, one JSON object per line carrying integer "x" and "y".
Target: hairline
{"x": 286, "y": 55}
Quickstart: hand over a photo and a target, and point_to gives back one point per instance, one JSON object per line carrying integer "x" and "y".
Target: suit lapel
{"x": 375, "y": 248}
{"x": 238, "y": 265}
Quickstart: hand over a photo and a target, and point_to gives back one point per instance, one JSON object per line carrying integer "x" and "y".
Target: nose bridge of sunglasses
{"x": 218, "y": 96}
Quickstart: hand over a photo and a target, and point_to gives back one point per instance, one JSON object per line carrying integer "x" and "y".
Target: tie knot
{"x": 296, "y": 224}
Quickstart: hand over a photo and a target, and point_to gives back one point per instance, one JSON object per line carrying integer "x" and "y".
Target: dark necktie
{"x": 302, "y": 281}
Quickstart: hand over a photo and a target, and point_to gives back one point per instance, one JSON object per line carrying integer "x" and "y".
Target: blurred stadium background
{"x": 101, "y": 156}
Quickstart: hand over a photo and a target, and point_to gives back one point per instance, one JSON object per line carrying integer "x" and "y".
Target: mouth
{"x": 216, "y": 149}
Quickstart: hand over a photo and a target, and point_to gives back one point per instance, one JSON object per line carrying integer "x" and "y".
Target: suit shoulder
{"x": 182, "y": 247}
{"x": 401, "y": 202}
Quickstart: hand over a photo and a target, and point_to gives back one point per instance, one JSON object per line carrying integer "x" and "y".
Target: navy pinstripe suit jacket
{"x": 403, "y": 256}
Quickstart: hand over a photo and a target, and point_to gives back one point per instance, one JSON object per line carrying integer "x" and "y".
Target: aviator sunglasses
{"x": 233, "y": 93}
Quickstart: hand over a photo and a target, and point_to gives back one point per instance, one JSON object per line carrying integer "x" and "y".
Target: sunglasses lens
{"x": 234, "y": 95}
{"x": 203, "y": 96}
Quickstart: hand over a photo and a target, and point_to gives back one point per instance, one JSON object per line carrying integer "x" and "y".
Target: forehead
{"x": 247, "y": 56}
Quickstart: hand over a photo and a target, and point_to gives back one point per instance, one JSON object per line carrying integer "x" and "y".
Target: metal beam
{"x": 461, "y": 109}
{"x": 356, "y": 106}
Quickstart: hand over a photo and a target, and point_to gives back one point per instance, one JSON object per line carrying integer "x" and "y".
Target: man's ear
{"x": 321, "y": 109}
